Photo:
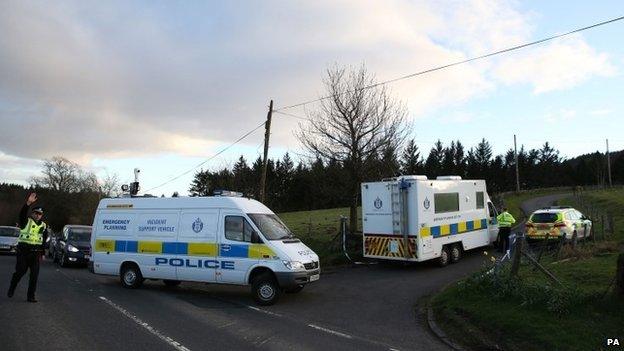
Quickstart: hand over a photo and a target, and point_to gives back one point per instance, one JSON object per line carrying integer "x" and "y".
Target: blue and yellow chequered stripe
{"x": 454, "y": 228}
{"x": 181, "y": 248}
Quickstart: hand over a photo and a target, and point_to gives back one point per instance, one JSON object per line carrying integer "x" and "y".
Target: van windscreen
{"x": 271, "y": 226}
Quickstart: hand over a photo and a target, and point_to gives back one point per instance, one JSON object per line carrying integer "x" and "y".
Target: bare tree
{"x": 109, "y": 185}
{"x": 58, "y": 174}
{"x": 63, "y": 175}
{"x": 353, "y": 125}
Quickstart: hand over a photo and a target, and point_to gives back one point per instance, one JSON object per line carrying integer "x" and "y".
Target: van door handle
{"x": 225, "y": 247}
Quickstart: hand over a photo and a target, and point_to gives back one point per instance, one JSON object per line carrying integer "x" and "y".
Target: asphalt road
{"x": 375, "y": 307}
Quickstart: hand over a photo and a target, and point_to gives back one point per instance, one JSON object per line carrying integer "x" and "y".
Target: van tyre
{"x": 456, "y": 253}
{"x": 131, "y": 277}
{"x": 294, "y": 290}
{"x": 171, "y": 283}
{"x": 265, "y": 289}
{"x": 445, "y": 257}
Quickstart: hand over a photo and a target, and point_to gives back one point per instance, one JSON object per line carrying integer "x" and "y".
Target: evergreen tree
{"x": 411, "y": 162}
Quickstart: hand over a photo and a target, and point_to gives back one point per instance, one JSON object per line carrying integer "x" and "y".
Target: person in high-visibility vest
{"x": 32, "y": 237}
{"x": 505, "y": 221}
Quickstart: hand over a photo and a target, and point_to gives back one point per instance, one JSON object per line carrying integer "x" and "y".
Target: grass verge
{"x": 494, "y": 311}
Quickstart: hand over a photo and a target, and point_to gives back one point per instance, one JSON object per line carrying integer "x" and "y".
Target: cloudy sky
{"x": 164, "y": 85}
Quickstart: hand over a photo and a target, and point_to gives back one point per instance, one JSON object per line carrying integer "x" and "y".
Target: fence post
{"x": 619, "y": 276}
{"x": 602, "y": 222}
{"x": 517, "y": 251}
{"x": 611, "y": 224}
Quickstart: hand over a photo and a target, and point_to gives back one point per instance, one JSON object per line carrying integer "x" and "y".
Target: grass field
{"x": 319, "y": 229}
{"x": 531, "y": 313}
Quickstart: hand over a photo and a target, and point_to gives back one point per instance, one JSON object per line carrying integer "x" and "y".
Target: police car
{"x": 558, "y": 222}
{"x": 218, "y": 239}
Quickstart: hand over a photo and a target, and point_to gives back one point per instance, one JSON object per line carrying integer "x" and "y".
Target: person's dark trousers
{"x": 503, "y": 241}
{"x": 26, "y": 259}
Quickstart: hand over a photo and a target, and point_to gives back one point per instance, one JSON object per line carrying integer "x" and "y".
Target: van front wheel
{"x": 131, "y": 277}
{"x": 265, "y": 290}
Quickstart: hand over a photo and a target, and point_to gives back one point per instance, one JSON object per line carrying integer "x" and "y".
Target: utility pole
{"x": 267, "y": 133}
{"x": 609, "y": 164}
{"x": 516, "y": 162}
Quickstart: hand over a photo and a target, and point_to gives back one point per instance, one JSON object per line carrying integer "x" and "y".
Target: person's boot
{"x": 31, "y": 299}
{"x": 10, "y": 292}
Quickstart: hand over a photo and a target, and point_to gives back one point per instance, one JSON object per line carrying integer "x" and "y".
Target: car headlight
{"x": 293, "y": 265}
{"x": 71, "y": 248}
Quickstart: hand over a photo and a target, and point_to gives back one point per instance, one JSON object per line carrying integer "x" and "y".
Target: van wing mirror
{"x": 255, "y": 238}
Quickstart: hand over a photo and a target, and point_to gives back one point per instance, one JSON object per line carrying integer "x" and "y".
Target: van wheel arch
{"x": 258, "y": 271}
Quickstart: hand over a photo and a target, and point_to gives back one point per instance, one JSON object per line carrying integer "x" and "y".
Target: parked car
{"x": 559, "y": 222}
{"x": 73, "y": 246}
{"x": 8, "y": 238}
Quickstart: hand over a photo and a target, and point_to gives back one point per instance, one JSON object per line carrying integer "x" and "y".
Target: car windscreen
{"x": 12, "y": 232}
{"x": 79, "y": 234}
{"x": 544, "y": 217}
{"x": 271, "y": 226}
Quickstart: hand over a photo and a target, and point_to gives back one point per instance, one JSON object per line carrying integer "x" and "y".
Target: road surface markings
{"x": 264, "y": 311}
{"x": 148, "y": 327}
{"x": 333, "y": 332}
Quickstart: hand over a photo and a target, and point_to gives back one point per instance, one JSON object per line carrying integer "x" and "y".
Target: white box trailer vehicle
{"x": 220, "y": 239}
{"x": 412, "y": 218}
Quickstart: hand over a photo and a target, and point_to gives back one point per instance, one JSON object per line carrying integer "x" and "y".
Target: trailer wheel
{"x": 445, "y": 257}
{"x": 456, "y": 253}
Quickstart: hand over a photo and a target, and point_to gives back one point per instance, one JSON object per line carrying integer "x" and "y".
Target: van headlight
{"x": 71, "y": 248}
{"x": 293, "y": 265}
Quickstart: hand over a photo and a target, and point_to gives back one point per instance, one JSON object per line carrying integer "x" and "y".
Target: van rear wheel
{"x": 130, "y": 276}
{"x": 265, "y": 289}
{"x": 445, "y": 257}
{"x": 456, "y": 253}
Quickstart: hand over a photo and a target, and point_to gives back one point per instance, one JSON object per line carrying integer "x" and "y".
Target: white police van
{"x": 219, "y": 239}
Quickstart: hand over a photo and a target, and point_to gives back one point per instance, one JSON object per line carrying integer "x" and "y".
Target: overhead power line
{"x": 460, "y": 62}
{"x": 208, "y": 159}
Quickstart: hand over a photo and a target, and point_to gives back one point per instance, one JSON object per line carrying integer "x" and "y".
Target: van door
{"x": 492, "y": 222}
{"x": 234, "y": 241}
{"x": 197, "y": 244}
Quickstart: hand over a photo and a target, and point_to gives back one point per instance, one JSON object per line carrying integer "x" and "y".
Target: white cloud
{"x": 113, "y": 80}
{"x": 601, "y": 112}
{"x": 560, "y": 65}
{"x": 561, "y": 116}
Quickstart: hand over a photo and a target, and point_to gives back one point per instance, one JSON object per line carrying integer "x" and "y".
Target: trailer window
{"x": 446, "y": 202}
{"x": 237, "y": 229}
{"x": 480, "y": 202}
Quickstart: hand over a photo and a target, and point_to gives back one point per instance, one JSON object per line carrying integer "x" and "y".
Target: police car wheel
{"x": 455, "y": 253}
{"x": 131, "y": 277}
{"x": 265, "y": 290}
{"x": 171, "y": 282}
{"x": 294, "y": 290}
{"x": 445, "y": 257}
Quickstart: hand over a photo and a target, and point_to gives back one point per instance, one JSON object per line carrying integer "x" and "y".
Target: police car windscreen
{"x": 544, "y": 218}
{"x": 13, "y": 232}
{"x": 80, "y": 234}
{"x": 271, "y": 226}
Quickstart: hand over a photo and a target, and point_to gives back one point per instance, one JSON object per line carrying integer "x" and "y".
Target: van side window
{"x": 237, "y": 228}
{"x": 480, "y": 201}
{"x": 446, "y": 202}
{"x": 492, "y": 210}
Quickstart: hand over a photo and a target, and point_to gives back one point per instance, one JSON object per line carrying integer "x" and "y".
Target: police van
{"x": 413, "y": 218}
{"x": 218, "y": 239}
